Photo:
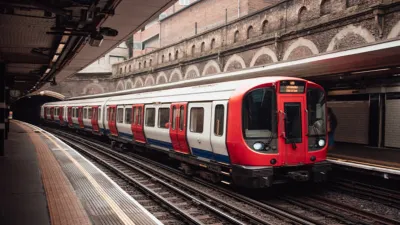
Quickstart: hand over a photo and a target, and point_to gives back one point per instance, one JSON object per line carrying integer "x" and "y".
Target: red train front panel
{"x": 276, "y": 125}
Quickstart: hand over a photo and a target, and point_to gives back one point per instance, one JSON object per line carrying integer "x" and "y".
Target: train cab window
{"x": 150, "y": 117}
{"x": 90, "y": 113}
{"x": 316, "y": 104}
{"x": 196, "y": 119}
{"x": 120, "y": 115}
{"x": 181, "y": 117}
{"x": 259, "y": 113}
{"x": 219, "y": 120}
{"x": 163, "y": 118}
{"x": 128, "y": 115}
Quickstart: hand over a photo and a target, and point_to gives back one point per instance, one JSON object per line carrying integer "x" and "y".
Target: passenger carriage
{"x": 253, "y": 132}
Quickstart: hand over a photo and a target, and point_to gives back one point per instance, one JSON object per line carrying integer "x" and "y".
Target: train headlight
{"x": 321, "y": 142}
{"x": 258, "y": 146}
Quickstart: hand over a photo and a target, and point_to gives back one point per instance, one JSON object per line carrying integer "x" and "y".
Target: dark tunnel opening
{"x": 28, "y": 108}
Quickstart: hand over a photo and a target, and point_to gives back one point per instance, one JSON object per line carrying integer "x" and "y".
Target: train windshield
{"x": 259, "y": 113}
{"x": 316, "y": 105}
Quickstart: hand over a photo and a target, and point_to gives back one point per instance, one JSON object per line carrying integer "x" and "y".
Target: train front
{"x": 282, "y": 135}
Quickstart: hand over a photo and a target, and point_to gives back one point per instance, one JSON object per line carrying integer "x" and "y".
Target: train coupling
{"x": 302, "y": 175}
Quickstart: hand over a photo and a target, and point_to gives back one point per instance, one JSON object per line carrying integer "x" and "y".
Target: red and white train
{"x": 252, "y": 132}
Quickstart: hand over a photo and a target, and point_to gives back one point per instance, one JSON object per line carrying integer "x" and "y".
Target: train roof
{"x": 205, "y": 92}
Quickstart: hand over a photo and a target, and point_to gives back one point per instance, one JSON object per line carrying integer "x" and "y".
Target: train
{"x": 251, "y": 133}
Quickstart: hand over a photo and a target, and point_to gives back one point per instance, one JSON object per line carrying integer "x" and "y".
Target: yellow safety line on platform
{"x": 121, "y": 214}
{"x": 363, "y": 163}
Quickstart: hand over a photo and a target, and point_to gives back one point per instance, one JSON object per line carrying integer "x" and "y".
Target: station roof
{"x": 42, "y": 39}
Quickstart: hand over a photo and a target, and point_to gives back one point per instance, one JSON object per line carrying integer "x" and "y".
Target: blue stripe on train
{"x": 163, "y": 144}
{"x": 125, "y": 136}
{"x": 196, "y": 151}
{"x": 210, "y": 155}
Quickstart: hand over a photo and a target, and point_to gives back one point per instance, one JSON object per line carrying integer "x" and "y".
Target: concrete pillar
{"x": 3, "y": 107}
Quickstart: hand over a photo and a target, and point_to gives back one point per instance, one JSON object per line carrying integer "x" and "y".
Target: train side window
{"x": 90, "y": 113}
{"x": 196, "y": 119}
{"x": 219, "y": 120}
{"x": 150, "y": 117}
{"x": 85, "y": 113}
{"x": 99, "y": 113}
{"x": 120, "y": 115}
{"x": 181, "y": 117}
{"x": 174, "y": 114}
{"x": 163, "y": 117}
{"x": 128, "y": 115}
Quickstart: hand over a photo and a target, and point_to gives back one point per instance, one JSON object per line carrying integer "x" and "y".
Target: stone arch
{"x": 120, "y": 86}
{"x": 350, "y": 29}
{"x": 202, "y": 46}
{"x": 302, "y": 14}
{"x": 128, "y": 84}
{"x": 169, "y": 57}
{"x": 395, "y": 31}
{"x": 301, "y": 42}
{"x": 162, "y": 59}
{"x": 192, "y": 72}
{"x": 212, "y": 43}
{"x": 325, "y": 7}
{"x": 264, "y": 27}
{"x": 235, "y": 59}
{"x": 161, "y": 78}
{"x": 193, "y": 51}
{"x": 176, "y": 54}
{"x": 92, "y": 89}
{"x": 138, "y": 82}
{"x": 149, "y": 81}
{"x": 236, "y": 36}
{"x": 212, "y": 67}
{"x": 263, "y": 51}
{"x": 176, "y": 75}
{"x": 250, "y": 32}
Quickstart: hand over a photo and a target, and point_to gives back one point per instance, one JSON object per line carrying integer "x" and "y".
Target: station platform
{"x": 381, "y": 161}
{"x": 44, "y": 181}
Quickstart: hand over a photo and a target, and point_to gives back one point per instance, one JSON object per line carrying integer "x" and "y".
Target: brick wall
{"x": 207, "y": 14}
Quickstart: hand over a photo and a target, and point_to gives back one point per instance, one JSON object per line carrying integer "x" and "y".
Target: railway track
{"x": 343, "y": 214}
{"x": 293, "y": 210}
{"x": 374, "y": 193}
{"x": 195, "y": 205}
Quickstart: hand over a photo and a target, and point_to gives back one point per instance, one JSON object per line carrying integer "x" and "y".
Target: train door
{"x": 112, "y": 120}
{"x": 95, "y": 118}
{"x": 61, "y": 115}
{"x": 199, "y": 130}
{"x": 69, "y": 110}
{"x": 52, "y": 113}
{"x": 218, "y": 131}
{"x": 45, "y": 113}
{"x": 137, "y": 123}
{"x": 177, "y": 128}
{"x": 292, "y": 129}
{"x": 80, "y": 117}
